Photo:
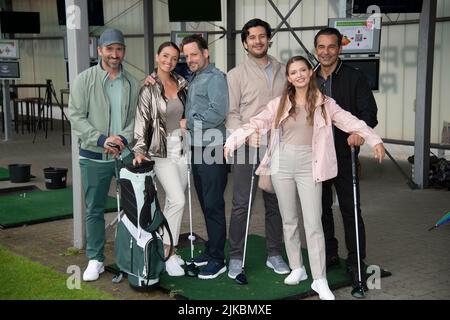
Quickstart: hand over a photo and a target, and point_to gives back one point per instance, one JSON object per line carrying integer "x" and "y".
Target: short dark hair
{"x": 329, "y": 32}
{"x": 198, "y": 39}
{"x": 168, "y": 44}
{"x": 254, "y": 23}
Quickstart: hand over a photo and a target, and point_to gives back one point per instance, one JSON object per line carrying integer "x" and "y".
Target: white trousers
{"x": 172, "y": 174}
{"x": 294, "y": 176}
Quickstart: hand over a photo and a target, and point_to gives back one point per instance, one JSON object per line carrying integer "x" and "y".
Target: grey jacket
{"x": 150, "y": 122}
{"x": 90, "y": 111}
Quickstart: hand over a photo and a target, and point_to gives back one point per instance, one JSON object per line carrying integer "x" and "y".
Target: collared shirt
{"x": 113, "y": 89}
{"x": 207, "y": 107}
{"x": 324, "y": 84}
{"x": 251, "y": 86}
{"x": 269, "y": 72}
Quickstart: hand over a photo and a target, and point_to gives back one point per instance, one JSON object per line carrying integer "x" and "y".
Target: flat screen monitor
{"x": 194, "y": 10}
{"x": 388, "y": 6}
{"x": 20, "y": 22}
{"x": 359, "y": 35}
{"x": 369, "y": 66}
{"x": 9, "y": 70}
{"x": 95, "y": 12}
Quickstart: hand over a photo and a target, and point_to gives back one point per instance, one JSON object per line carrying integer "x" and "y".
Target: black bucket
{"x": 19, "y": 172}
{"x": 55, "y": 178}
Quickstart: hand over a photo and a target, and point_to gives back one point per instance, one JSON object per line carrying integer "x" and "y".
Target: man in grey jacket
{"x": 102, "y": 107}
{"x": 251, "y": 85}
{"x": 206, "y": 111}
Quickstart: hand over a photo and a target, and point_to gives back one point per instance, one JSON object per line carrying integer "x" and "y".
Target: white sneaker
{"x": 321, "y": 287}
{"x": 173, "y": 268}
{"x": 296, "y": 276}
{"x": 93, "y": 270}
{"x": 180, "y": 260}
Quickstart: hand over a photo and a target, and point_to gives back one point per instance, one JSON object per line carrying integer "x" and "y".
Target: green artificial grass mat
{"x": 23, "y": 279}
{"x": 39, "y": 206}
{"x": 4, "y": 174}
{"x": 263, "y": 283}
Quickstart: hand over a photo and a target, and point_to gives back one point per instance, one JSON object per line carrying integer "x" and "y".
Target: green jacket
{"x": 90, "y": 111}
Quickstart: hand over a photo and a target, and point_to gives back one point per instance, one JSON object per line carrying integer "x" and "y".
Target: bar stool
{"x": 29, "y": 113}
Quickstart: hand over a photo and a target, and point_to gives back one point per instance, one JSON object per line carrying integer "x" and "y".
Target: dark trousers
{"x": 242, "y": 175}
{"x": 344, "y": 190}
{"x": 210, "y": 180}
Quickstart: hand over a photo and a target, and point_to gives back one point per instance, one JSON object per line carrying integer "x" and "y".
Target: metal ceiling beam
{"x": 312, "y": 59}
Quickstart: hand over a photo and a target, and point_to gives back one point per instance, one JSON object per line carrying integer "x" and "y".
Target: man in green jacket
{"x": 102, "y": 106}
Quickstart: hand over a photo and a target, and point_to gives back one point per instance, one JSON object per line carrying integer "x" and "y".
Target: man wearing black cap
{"x": 102, "y": 107}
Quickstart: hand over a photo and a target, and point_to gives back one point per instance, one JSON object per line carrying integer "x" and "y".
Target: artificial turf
{"x": 39, "y": 206}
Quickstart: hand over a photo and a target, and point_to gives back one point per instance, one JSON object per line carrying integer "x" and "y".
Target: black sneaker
{"x": 212, "y": 270}
{"x": 354, "y": 277}
{"x": 201, "y": 260}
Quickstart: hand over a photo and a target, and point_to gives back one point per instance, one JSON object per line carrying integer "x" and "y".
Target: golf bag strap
{"x": 165, "y": 224}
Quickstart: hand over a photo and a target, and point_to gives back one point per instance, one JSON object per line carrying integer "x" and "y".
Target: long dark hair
{"x": 312, "y": 95}
{"x": 168, "y": 44}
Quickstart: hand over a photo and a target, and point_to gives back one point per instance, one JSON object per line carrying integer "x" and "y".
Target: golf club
{"x": 108, "y": 228}
{"x": 241, "y": 278}
{"x": 191, "y": 268}
{"x": 358, "y": 291}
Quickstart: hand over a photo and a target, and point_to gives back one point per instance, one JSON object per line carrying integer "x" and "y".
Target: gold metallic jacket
{"x": 150, "y": 124}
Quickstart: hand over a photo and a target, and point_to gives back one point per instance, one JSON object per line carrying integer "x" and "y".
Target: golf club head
{"x": 358, "y": 292}
{"x": 191, "y": 270}
{"x": 241, "y": 278}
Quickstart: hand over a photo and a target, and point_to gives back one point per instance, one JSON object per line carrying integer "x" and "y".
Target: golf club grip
{"x": 353, "y": 164}
{"x": 113, "y": 145}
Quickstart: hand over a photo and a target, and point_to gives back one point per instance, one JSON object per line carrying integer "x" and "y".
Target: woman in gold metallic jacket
{"x": 159, "y": 138}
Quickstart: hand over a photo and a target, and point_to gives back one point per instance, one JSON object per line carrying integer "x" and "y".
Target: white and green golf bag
{"x": 138, "y": 246}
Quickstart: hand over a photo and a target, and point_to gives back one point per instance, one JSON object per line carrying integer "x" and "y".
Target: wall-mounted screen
{"x": 95, "y": 12}
{"x": 194, "y": 10}
{"x": 388, "y": 6}
{"x": 20, "y": 22}
{"x": 369, "y": 66}
{"x": 359, "y": 35}
{"x": 9, "y": 70}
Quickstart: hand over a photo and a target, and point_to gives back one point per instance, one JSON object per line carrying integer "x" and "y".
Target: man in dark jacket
{"x": 351, "y": 91}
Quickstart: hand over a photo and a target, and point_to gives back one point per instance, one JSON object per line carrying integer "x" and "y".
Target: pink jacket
{"x": 323, "y": 151}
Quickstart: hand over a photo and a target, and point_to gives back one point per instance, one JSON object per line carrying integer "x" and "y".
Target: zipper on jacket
{"x": 129, "y": 98}
{"x": 109, "y": 107}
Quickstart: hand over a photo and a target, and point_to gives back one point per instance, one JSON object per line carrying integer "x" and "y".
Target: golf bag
{"x": 139, "y": 247}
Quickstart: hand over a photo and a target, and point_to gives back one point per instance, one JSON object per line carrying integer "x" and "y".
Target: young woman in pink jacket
{"x": 299, "y": 157}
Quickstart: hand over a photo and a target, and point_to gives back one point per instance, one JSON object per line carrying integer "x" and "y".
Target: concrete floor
{"x": 397, "y": 221}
